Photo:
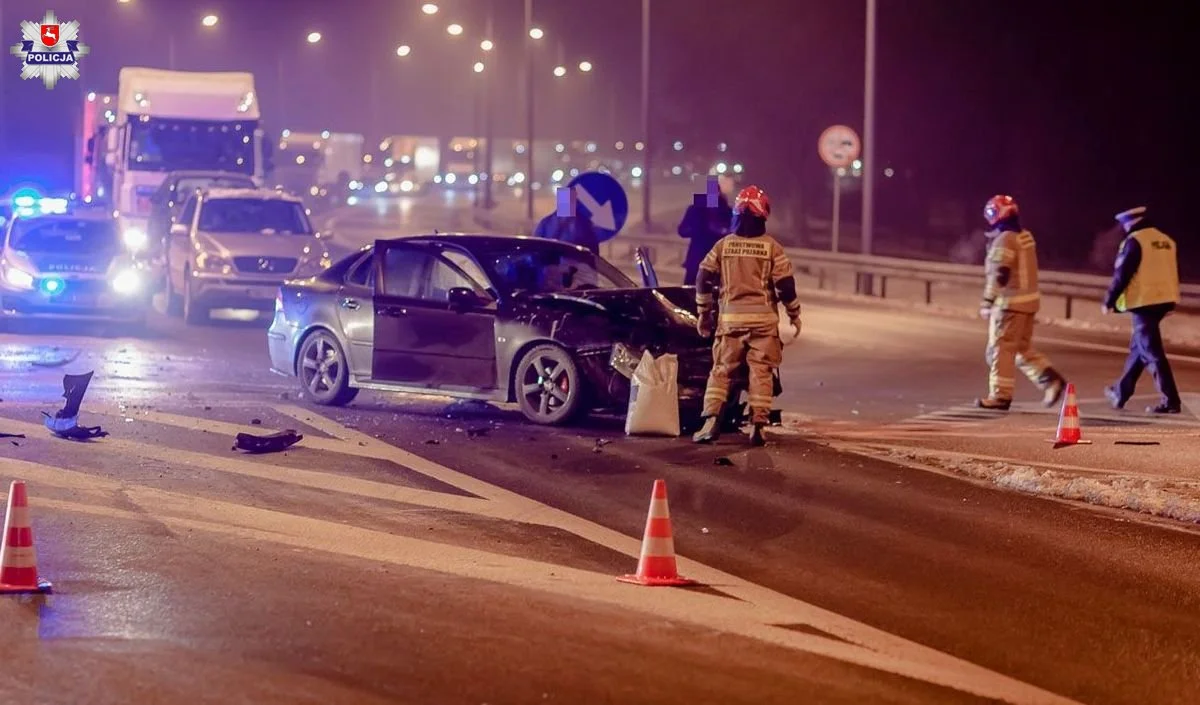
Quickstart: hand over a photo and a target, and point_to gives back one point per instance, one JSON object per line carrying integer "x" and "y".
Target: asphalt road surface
{"x": 414, "y": 550}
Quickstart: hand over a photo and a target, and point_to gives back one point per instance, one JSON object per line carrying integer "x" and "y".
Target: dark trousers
{"x": 1146, "y": 352}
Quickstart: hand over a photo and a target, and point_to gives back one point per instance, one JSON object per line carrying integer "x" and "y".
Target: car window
{"x": 468, "y": 267}
{"x": 443, "y": 277}
{"x": 189, "y": 212}
{"x": 65, "y": 236}
{"x": 403, "y": 268}
{"x": 254, "y": 215}
{"x": 363, "y": 272}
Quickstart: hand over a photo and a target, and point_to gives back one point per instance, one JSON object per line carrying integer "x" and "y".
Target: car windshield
{"x": 535, "y": 268}
{"x": 254, "y": 215}
{"x": 160, "y": 144}
{"x": 188, "y": 184}
{"x": 65, "y": 236}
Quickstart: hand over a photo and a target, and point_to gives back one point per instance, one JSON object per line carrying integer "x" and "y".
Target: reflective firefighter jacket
{"x": 1149, "y": 260}
{"x": 755, "y": 276}
{"x": 1012, "y": 273}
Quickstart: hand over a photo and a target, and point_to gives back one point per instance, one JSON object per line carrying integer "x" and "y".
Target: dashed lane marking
{"x": 754, "y": 613}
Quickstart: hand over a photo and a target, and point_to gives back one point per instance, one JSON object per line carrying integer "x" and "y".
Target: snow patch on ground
{"x": 1168, "y": 499}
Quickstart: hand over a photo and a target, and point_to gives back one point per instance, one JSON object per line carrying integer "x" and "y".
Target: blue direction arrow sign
{"x": 603, "y": 200}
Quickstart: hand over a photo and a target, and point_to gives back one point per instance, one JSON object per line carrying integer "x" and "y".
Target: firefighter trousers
{"x": 761, "y": 350}
{"x": 1010, "y": 347}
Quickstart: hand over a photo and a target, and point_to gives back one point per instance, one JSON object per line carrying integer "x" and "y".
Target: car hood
{"x": 259, "y": 245}
{"x": 647, "y": 316}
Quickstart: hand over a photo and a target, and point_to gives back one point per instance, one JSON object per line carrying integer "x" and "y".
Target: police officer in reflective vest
{"x": 1146, "y": 285}
{"x": 1011, "y": 300}
{"x": 754, "y": 275}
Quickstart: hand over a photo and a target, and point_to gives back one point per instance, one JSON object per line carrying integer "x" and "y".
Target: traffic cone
{"x": 18, "y": 560}
{"x": 656, "y": 566}
{"x": 1069, "y": 432}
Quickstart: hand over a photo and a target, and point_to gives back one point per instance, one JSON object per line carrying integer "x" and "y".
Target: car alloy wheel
{"x": 323, "y": 372}
{"x": 549, "y": 389}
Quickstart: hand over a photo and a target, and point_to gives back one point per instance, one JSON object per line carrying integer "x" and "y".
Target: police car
{"x": 70, "y": 265}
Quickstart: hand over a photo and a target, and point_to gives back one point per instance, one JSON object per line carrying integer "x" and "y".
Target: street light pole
{"x": 488, "y": 110}
{"x": 647, "y": 168}
{"x": 529, "y": 106}
{"x": 868, "y": 158}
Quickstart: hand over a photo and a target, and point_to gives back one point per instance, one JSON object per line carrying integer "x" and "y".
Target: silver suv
{"x": 232, "y": 248}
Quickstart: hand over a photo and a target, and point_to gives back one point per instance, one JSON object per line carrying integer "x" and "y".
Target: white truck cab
{"x": 177, "y": 120}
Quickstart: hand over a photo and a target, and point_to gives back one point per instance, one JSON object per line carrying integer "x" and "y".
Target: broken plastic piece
{"x": 272, "y": 443}
{"x": 65, "y": 422}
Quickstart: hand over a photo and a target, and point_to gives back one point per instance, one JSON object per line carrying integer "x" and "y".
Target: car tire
{"x": 548, "y": 386}
{"x": 321, "y": 347}
{"x": 193, "y": 314}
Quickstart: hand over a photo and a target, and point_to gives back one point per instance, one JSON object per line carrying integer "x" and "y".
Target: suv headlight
{"x": 212, "y": 263}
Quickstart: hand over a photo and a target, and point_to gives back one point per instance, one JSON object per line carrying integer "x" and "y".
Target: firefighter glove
{"x": 707, "y": 323}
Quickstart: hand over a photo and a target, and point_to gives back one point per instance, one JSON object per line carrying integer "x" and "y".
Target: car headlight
{"x": 212, "y": 263}
{"x": 624, "y": 359}
{"x": 17, "y": 278}
{"x": 135, "y": 239}
{"x": 126, "y": 282}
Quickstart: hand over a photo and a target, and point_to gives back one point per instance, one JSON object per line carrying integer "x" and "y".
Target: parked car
{"x": 70, "y": 265}
{"x": 177, "y": 187}
{"x": 232, "y": 248}
{"x": 544, "y": 324}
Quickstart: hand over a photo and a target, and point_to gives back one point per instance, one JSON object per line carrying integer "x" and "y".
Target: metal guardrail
{"x": 872, "y": 273}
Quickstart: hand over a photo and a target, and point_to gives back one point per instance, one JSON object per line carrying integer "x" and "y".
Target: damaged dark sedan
{"x": 546, "y": 325}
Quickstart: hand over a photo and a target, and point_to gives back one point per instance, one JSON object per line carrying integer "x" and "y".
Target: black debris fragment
{"x": 270, "y": 443}
{"x": 722, "y": 460}
{"x": 1137, "y": 443}
{"x": 477, "y": 432}
{"x": 256, "y": 422}
{"x": 15, "y": 443}
{"x": 600, "y": 443}
{"x": 12, "y": 435}
{"x": 65, "y": 422}
{"x": 432, "y": 442}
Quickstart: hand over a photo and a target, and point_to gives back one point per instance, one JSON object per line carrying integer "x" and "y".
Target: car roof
{"x": 471, "y": 240}
{"x": 262, "y": 194}
{"x": 192, "y": 173}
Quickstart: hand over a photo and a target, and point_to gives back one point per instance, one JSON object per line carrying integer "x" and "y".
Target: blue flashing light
{"x": 25, "y": 198}
{"x": 52, "y": 286}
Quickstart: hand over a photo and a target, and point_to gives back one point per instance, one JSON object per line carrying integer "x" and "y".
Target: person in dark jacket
{"x": 703, "y": 227}
{"x": 575, "y": 229}
{"x": 1146, "y": 285}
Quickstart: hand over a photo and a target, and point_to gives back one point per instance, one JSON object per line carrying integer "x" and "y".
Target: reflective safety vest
{"x": 749, "y": 268}
{"x": 1016, "y": 252}
{"x": 1156, "y": 280}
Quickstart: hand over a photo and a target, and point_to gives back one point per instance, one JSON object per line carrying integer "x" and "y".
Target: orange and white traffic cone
{"x": 656, "y": 566}
{"x": 18, "y": 560}
{"x": 1069, "y": 432}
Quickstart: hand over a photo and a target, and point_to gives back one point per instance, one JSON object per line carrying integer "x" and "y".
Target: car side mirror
{"x": 179, "y": 230}
{"x": 462, "y": 297}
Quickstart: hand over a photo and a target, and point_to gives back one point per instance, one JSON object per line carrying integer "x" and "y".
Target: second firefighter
{"x": 1011, "y": 300}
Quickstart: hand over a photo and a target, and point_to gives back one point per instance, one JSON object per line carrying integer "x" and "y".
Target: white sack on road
{"x": 654, "y": 397}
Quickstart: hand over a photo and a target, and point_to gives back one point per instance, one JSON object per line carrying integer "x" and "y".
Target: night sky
{"x": 1077, "y": 111}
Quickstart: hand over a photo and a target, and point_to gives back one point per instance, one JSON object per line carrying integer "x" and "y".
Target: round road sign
{"x": 839, "y": 146}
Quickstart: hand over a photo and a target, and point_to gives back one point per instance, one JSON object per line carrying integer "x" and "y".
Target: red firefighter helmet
{"x": 753, "y": 199}
{"x": 999, "y": 208}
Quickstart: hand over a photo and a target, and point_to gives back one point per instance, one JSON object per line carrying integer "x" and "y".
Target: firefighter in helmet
{"x": 1011, "y": 300}
{"x": 754, "y": 275}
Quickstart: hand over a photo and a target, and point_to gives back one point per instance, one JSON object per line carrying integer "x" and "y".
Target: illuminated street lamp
{"x": 403, "y": 50}
{"x": 429, "y": 8}
{"x": 585, "y": 66}
{"x": 209, "y": 21}
{"x": 314, "y": 37}
{"x": 454, "y": 30}
{"x": 487, "y": 45}
{"x": 560, "y": 71}
{"x": 479, "y": 67}
{"x": 536, "y": 33}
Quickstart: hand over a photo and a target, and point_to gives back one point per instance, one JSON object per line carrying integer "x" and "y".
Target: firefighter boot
{"x": 756, "y": 436}
{"x": 993, "y": 404}
{"x": 711, "y": 430}
{"x": 1055, "y": 385}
